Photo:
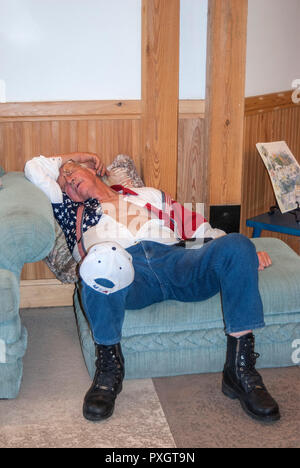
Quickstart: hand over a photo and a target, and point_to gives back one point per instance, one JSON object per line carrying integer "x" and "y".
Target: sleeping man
{"x": 130, "y": 244}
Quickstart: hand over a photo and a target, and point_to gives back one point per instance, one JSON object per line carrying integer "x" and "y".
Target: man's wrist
{"x": 75, "y": 157}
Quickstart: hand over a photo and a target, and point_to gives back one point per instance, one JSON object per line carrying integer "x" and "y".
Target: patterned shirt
{"x": 66, "y": 215}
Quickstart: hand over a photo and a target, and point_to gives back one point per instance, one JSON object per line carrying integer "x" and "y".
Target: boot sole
{"x": 230, "y": 393}
{"x": 94, "y": 418}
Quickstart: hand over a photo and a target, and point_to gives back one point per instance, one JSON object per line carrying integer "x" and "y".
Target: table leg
{"x": 256, "y": 232}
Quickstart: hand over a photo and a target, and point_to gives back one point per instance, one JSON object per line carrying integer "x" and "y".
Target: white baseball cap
{"x": 107, "y": 268}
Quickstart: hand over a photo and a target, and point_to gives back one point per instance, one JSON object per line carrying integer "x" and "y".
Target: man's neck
{"x": 103, "y": 192}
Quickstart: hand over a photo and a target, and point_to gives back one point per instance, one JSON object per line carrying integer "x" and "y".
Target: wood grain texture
{"x": 160, "y": 84}
{"x": 20, "y": 141}
{"x": 258, "y": 195}
{"x": 45, "y": 293}
{"x": 192, "y": 109}
{"x": 226, "y": 61}
{"x": 89, "y": 110}
{"x": 268, "y": 102}
{"x": 192, "y": 163}
{"x": 69, "y": 109}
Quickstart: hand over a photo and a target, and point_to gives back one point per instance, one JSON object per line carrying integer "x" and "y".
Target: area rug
{"x": 48, "y": 411}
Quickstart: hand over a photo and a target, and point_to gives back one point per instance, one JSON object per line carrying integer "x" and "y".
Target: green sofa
{"x": 164, "y": 339}
{"x": 27, "y": 235}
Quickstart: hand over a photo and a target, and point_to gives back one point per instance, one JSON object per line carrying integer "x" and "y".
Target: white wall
{"x": 193, "y": 40}
{"x": 70, "y": 49}
{"x": 89, "y": 49}
{"x": 273, "y": 48}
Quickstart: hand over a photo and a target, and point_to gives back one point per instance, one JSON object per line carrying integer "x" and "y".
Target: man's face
{"x": 77, "y": 181}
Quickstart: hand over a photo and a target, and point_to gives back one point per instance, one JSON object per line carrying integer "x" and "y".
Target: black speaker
{"x": 226, "y": 217}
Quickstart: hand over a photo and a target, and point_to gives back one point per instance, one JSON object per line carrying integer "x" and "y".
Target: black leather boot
{"x": 242, "y": 381}
{"x": 99, "y": 402}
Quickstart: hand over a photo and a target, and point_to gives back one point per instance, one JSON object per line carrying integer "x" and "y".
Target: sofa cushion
{"x": 26, "y": 223}
{"x": 122, "y": 171}
{"x": 1, "y": 174}
{"x": 10, "y": 296}
{"x": 12, "y": 369}
{"x": 280, "y": 284}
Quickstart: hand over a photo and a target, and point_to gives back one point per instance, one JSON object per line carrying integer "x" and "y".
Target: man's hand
{"x": 92, "y": 160}
{"x": 264, "y": 260}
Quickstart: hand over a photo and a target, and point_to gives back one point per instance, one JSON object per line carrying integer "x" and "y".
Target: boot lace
{"x": 250, "y": 377}
{"x": 109, "y": 369}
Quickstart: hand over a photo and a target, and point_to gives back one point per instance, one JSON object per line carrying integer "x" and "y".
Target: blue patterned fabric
{"x": 66, "y": 215}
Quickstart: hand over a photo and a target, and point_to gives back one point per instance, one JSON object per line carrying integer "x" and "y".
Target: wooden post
{"x": 160, "y": 87}
{"x": 225, "y": 96}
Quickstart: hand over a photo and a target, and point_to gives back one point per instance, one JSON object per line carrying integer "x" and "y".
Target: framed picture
{"x": 284, "y": 172}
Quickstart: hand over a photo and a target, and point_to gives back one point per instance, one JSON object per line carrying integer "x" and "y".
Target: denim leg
{"x": 228, "y": 265}
{"x": 106, "y": 313}
{"x": 241, "y": 300}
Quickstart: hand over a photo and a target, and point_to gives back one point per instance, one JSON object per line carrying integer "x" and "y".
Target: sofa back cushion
{"x": 26, "y": 223}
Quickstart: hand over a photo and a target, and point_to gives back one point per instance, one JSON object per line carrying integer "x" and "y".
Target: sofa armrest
{"x": 27, "y": 231}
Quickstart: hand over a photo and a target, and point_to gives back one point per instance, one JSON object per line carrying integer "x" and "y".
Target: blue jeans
{"x": 228, "y": 265}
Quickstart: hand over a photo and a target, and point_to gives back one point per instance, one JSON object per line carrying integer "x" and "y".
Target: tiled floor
{"x": 173, "y": 412}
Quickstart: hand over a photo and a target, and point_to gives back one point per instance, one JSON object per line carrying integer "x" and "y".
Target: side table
{"x": 284, "y": 223}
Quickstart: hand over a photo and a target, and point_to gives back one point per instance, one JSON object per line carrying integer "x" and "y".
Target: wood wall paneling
{"x": 226, "y": 61}
{"x": 20, "y": 141}
{"x": 192, "y": 109}
{"x": 69, "y": 109}
{"x": 268, "y": 102}
{"x": 192, "y": 184}
{"x": 160, "y": 85}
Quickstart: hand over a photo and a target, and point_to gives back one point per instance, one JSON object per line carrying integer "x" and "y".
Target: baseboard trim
{"x": 45, "y": 293}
